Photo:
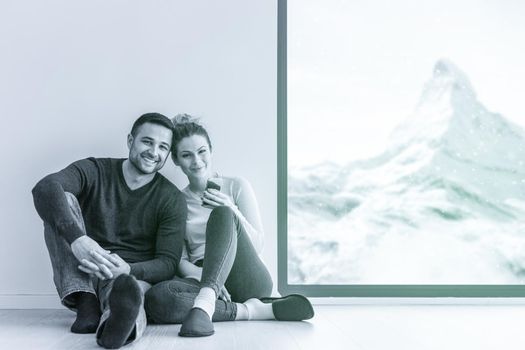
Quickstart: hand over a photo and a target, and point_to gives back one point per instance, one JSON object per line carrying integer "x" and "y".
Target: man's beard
{"x": 136, "y": 164}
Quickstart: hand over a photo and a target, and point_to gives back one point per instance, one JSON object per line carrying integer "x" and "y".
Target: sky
{"x": 356, "y": 69}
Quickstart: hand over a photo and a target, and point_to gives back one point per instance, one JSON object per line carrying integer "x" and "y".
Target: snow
{"x": 442, "y": 205}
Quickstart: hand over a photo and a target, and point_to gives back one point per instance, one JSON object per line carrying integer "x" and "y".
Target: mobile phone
{"x": 211, "y": 185}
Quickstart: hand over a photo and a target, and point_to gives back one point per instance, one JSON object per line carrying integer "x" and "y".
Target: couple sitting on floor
{"x": 126, "y": 246}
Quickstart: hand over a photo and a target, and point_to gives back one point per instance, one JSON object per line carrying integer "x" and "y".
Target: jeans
{"x": 229, "y": 259}
{"x": 69, "y": 279}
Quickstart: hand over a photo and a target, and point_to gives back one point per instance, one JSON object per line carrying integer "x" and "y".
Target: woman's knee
{"x": 222, "y": 212}
{"x": 221, "y": 222}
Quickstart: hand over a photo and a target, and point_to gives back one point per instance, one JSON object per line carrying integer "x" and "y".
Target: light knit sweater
{"x": 246, "y": 210}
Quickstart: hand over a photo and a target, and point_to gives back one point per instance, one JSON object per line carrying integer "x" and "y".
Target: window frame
{"x": 410, "y": 291}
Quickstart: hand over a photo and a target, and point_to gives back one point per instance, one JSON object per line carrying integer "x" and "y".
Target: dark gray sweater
{"x": 145, "y": 226}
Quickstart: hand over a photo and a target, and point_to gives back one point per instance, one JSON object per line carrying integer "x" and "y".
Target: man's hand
{"x": 84, "y": 249}
{"x": 83, "y": 246}
{"x": 105, "y": 267}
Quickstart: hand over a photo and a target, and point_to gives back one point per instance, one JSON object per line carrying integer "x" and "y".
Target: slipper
{"x": 196, "y": 324}
{"x": 293, "y": 307}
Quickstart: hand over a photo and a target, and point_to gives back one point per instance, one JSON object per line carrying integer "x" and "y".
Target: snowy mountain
{"x": 451, "y": 142}
{"x": 453, "y": 172}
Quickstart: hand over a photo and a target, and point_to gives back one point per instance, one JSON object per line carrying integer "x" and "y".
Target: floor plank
{"x": 361, "y": 327}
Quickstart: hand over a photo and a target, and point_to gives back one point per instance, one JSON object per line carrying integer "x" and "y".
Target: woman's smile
{"x": 194, "y": 157}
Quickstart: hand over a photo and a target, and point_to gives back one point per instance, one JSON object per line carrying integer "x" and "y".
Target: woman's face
{"x": 194, "y": 157}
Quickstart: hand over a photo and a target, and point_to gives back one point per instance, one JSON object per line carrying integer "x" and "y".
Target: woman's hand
{"x": 224, "y": 294}
{"x": 215, "y": 198}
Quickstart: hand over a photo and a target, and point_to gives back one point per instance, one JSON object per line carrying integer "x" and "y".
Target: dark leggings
{"x": 229, "y": 259}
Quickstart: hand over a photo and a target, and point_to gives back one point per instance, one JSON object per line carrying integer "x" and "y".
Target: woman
{"x": 222, "y": 275}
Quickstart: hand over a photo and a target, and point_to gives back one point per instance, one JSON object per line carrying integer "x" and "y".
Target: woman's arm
{"x": 244, "y": 205}
{"x": 188, "y": 269}
{"x": 247, "y": 211}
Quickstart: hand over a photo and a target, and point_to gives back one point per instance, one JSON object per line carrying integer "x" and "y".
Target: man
{"x": 112, "y": 228}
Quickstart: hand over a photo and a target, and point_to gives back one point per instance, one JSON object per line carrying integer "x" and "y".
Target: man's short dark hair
{"x": 154, "y": 118}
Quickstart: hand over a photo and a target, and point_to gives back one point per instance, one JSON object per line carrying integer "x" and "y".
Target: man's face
{"x": 149, "y": 148}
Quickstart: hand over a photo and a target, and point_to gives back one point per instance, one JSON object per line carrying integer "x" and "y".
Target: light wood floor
{"x": 334, "y": 327}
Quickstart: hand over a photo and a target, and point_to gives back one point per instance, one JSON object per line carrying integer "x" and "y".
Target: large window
{"x": 402, "y": 148}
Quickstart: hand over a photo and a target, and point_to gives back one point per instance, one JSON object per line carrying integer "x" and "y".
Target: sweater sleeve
{"x": 169, "y": 243}
{"x": 247, "y": 212}
{"x": 50, "y": 199}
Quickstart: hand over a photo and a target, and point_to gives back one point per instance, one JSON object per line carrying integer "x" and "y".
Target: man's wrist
{"x": 71, "y": 232}
{"x": 78, "y": 239}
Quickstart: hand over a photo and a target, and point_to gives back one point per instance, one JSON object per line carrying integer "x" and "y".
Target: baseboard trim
{"x": 51, "y": 301}
{"x": 416, "y": 301}
{"x": 29, "y": 301}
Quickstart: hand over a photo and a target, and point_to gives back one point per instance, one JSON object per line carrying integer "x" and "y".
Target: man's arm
{"x": 50, "y": 199}
{"x": 53, "y": 206}
{"x": 170, "y": 239}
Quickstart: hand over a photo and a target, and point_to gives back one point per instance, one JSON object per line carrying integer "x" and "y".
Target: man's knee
{"x": 144, "y": 286}
{"x": 74, "y": 206}
{"x": 73, "y": 203}
{"x": 71, "y": 199}
{"x": 153, "y": 304}
{"x": 164, "y": 305}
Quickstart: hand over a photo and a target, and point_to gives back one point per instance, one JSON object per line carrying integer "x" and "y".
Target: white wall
{"x": 74, "y": 75}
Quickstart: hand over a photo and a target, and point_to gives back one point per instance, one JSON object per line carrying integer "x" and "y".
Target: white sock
{"x": 257, "y": 310}
{"x": 242, "y": 312}
{"x": 205, "y": 300}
